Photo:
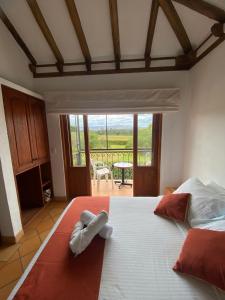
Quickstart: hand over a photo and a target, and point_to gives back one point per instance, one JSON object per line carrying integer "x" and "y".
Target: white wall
{"x": 173, "y": 123}
{"x": 13, "y": 62}
{"x": 10, "y": 222}
{"x": 205, "y": 142}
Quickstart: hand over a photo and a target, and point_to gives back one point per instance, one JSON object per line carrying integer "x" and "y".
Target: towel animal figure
{"x": 82, "y": 236}
{"x": 87, "y": 216}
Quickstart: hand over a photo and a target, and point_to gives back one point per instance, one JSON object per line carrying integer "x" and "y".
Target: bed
{"x": 135, "y": 263}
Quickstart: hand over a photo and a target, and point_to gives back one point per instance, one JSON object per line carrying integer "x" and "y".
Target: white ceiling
{"x": 95, "y": 18}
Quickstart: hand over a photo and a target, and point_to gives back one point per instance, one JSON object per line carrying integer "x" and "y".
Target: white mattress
{"x": 139, "y": 257}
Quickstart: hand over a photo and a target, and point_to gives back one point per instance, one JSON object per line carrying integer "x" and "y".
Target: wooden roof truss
{"x": 186, "y": 61}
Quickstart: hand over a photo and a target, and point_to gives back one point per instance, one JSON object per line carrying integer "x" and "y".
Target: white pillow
{"x": 217, "y": 188}
{"x": 205, "y": 204}
{"x": 218, "y": 225}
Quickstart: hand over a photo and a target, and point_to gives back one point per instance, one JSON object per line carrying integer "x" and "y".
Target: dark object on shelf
{"x": 47, "y": 194}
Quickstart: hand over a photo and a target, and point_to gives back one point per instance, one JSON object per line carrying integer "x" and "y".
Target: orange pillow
{"x": 203, "y": 256}
{"x": 174, "y": 206}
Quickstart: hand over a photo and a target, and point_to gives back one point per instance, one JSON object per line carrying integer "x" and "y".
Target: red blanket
{"x": 57, "y": 274}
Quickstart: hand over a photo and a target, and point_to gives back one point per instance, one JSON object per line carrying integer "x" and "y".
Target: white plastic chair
{"x": 101, "y": 170}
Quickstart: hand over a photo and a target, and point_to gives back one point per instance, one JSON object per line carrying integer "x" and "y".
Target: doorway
{"x": 112, "y": 154}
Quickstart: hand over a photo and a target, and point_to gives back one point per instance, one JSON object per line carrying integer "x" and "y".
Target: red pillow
{"x": 174, "y": 206}
{"x": 203, "y": 256}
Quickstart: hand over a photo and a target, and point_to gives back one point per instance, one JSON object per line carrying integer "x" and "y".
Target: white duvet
{"x": 139, "y": 257}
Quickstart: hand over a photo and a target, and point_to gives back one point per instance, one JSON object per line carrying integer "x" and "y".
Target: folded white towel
{"x": 81, "y": 237}
{"x": 86, "y": 217}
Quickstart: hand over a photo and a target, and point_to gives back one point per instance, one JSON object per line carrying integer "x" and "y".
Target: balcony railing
{"x": 111, "y": 156}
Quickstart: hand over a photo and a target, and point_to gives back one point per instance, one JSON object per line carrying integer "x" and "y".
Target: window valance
{"x": 113, "y": 101}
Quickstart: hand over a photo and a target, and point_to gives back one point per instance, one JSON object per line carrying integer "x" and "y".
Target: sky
{"x": 96, "y": 122}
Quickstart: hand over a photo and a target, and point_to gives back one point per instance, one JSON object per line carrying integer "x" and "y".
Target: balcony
{"x": 109, "y": 157}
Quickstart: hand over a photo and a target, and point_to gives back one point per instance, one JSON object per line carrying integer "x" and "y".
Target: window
{"x": 97, "y": 131}
{"x": 144, "y": 139}
{"x": 110, "y": 132}
{"x": 120, "y": 131}
{"x": 76, "y": 124}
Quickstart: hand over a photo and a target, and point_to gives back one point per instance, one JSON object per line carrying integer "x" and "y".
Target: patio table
{"x": 123, "y": 166}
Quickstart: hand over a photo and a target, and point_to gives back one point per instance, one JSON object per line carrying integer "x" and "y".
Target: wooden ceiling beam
{"x": 111, "y": 71}
{"x": 151, "y": 30}
{"x": 18, "y": 38}
{"x": 115, "y": 31}
{"x": 95, "y": 62}
{"x": 218, "y": 30}
{"x": 209, "y": 49}
{"x": 75, "y": 19}
{"x": 209, "y": 10}
{"x": 46, "y": 32}
{"x": 176, "y": 24}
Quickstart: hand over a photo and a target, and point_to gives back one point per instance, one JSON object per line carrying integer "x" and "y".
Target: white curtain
{"x": 113, "y": 101}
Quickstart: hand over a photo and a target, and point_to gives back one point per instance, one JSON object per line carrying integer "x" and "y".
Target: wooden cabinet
{"x": 28, "y": 138}
{"x": 16, "y": 112}
{"x": 26, "y": 123}
{"x": 37, "y": 108}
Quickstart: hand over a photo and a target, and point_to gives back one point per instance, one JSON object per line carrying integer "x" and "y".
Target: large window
{"x": 144, "y": 139}
{"x": 113, "y": 133}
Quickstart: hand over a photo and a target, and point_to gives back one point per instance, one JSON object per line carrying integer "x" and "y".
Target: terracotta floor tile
{"x": 33, "y": 224}
{"x": 34, "y": 232}
{"x": 55, "y": 218}
{"x": 45, "y": 225}
{"x": 43, "y": 235}
{"x": 30, "y": 245}
{"x": 28, "y": 233}
{"x": 106, "y": 188}
{"x": 2, "y": 264}
{"x": 6, "y": 252}
{"x": 6, "y": 290}
{"x": 56, "y": 211}
{"x": 27, "y": 258}
{"x": 14, "y": 257}
{"x": 10, "y": 272}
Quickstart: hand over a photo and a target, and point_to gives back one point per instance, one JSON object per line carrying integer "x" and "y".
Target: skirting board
{"x": 11, "y": 240}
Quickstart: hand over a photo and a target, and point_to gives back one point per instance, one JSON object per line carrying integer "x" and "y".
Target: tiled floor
{"x": 107, "y": 188}
{"x": 35, "y": 233}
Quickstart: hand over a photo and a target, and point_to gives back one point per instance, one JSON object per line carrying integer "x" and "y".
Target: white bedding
{"x": 139, "y": 257}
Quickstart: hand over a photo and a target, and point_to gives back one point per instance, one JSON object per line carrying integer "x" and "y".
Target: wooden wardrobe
{"x": 28, "y": 138}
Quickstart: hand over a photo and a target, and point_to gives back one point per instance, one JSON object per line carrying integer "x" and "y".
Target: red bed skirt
{"x": 57, "y": 274}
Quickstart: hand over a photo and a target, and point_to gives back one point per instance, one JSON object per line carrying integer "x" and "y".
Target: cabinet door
{"x": 16, "y": 108}
{"x": 38, "y": 113}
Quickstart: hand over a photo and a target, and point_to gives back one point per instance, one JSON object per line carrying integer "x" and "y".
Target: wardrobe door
{"x": 40, "y": 125}
{"x": 16, "y": 108}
